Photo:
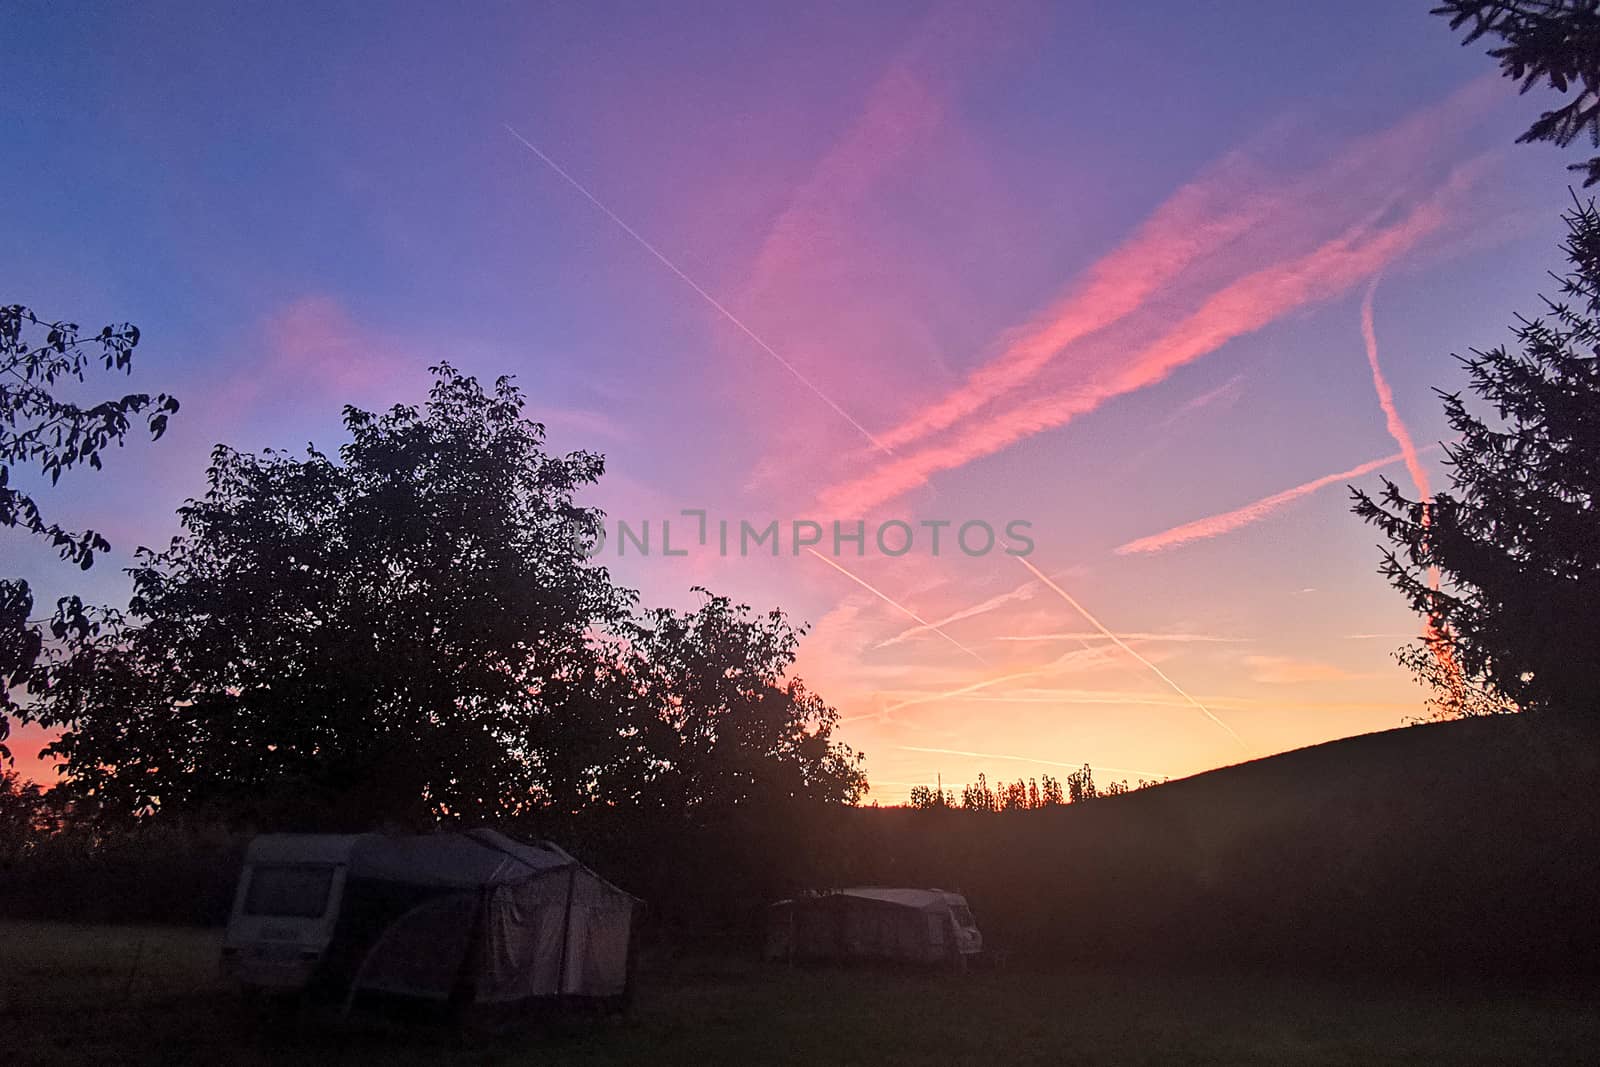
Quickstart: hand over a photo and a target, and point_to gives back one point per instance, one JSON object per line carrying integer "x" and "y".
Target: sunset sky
{"x": 1159, "y": 279}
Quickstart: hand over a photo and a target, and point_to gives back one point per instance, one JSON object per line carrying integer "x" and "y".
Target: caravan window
{"x": 292, "y": 890}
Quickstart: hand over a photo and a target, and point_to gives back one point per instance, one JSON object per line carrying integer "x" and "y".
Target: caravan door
{"x": 285, "y": 909}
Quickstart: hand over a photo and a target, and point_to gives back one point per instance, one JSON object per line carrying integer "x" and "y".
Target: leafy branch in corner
{"x": 41, "y": 430}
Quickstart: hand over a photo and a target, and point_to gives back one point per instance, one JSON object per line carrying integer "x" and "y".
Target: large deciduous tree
{"x": 1515, "y": 541}
{"x": 24, "y": 816}
{"x": 413, "y": 630}
{"x": 369, "y": 634}
{"x": 52, "y": 435}
{"x": 717, "y": 720}
{"x": 727, "y": 778}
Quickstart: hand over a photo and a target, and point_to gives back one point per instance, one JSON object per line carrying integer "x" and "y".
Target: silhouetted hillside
{"x": 1455, "y": 846}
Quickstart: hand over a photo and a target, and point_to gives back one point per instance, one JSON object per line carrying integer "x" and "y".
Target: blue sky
{"x": 304, "y": 206}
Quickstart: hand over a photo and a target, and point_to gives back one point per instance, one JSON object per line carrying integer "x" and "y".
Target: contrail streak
{"x": 928, "y": 698}
{"x": 895, "y": 604}
{"x": 1432, "y": 632}
{"x": 972, "y": 687}
{"x": 691, "y": 283}
{"x": 1022, "y": 592}
{"x": 1114, "y": 639}
{"x": 1027, "y": 759}
{"x": 1391, "y": 414}
{"x": 722, "y": 310}
{"x": 1228, "y": 521}
{"x": 1137, "y": 635}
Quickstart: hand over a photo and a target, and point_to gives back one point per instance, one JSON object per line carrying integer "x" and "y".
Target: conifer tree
{"x": 1555, "y": 42}
{"x": 1515, "y": 540}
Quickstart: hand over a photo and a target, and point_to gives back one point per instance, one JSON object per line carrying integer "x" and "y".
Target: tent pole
{"x": 566, "y": 933}
{"x": 464, "y": 990}
{"x": 372, "y": 950}
{"x": 631, "y": 966}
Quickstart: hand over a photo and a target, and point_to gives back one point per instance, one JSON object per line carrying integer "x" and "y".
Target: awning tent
{"x": 867, "y": 923}
{"x": 470, "y": 918}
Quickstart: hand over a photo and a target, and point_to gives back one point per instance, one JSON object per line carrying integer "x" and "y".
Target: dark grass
{"x": 128, "y": 995}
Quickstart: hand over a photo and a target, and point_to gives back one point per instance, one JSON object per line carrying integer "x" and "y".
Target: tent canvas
{"x": 472, "y": 918}
{"x": 873, "y": 923}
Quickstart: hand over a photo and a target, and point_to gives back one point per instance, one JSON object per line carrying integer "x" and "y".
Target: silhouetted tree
{"x": 716, "y": 721}
{"x": 41, "y": 431}
{"x": 1080, "y": 785}
{"x": 413, "y": 631}
{"x": 23, "y": 816}
{"x": 391, "y": 633}
{"x": 1027, "y": 794}
{"x": 1552, "y": 41}
{"x": 979, "y": 797}
{"x": 1515, "y": 541}
{"x": 1050, "y": 794}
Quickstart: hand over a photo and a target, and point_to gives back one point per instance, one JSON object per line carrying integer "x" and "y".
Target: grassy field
{"x": 110, "y": 995}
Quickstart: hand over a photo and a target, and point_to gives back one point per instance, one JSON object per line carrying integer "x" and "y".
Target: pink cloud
{"x": 314, "y": 342}
{"x": 841, "y": 285}
{"x": 1238, "y": 308}
{"x": 902, "y": 111}
{"x": 312, "y": 348}
{"x": 1195, "y": 225}
{"x": 1194, "y": 221}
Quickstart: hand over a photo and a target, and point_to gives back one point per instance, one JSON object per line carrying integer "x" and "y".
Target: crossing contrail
{"x": 1114, "y": 639}
{"x": 927, "y": 698}
{"x": 895, "y": 604}
{"x": 1431, "y": 631}
{"x": 1228, "y": 521}
{"x": 1391, "y": 414}
{"x": 720, "y": 308}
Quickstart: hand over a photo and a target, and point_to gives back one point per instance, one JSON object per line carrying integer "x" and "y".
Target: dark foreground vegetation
{"x": 152, "y": 996}
{"x": 1468, "y": 847}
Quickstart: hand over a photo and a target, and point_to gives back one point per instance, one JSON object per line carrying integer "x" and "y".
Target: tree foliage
{"x": 1024, "y": 794}
{"x": 716, "y": 721}
{"x": 413, "y": 630}
{"x": 1515, "y": 541}
{"x": 42, "y": 431}
{"x": 1556, "y": 42}
{"x": 24, "y": 817}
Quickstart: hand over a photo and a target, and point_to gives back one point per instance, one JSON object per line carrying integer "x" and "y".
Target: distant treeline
{"x": 1024, "y": 794}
